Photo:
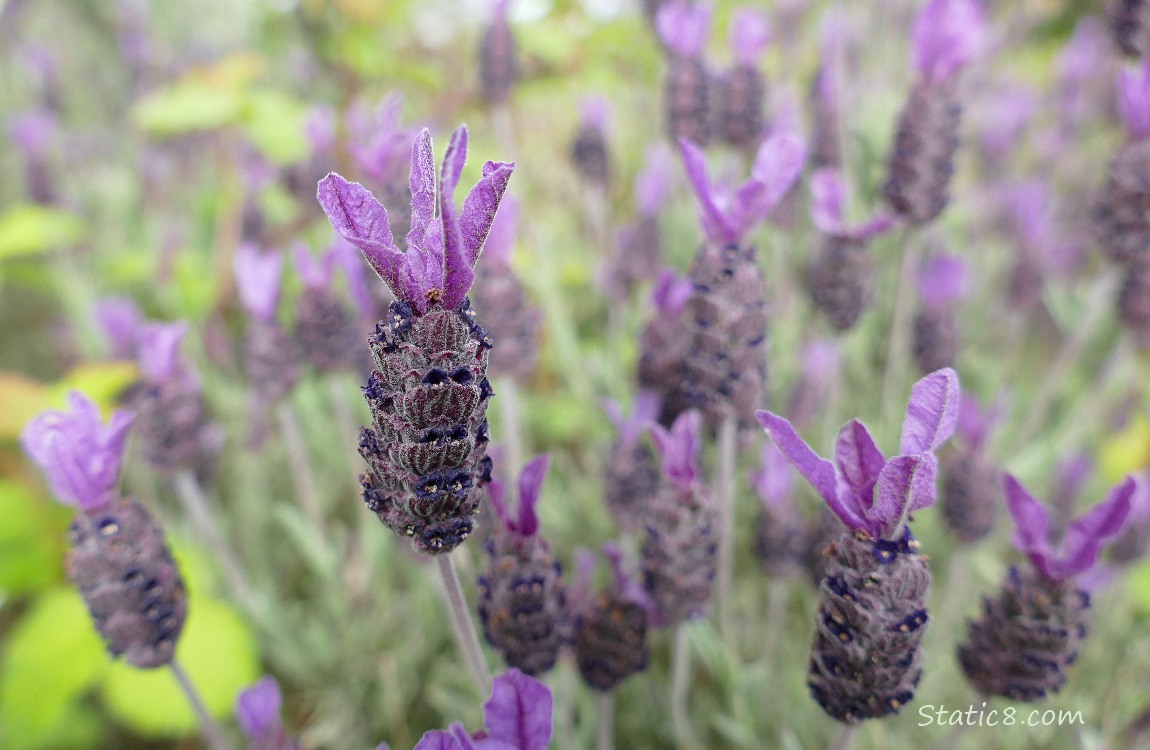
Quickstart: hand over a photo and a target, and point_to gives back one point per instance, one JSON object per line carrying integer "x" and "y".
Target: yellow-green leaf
{"x": 274, "y": 121}
{"x": 31, "y": 534}
{"x": 185, "y": 107}
{"x": 27, "y": 230}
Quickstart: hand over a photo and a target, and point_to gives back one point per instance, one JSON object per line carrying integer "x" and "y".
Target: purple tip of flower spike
{"x": 454, "y": 737}
{"x": 258, "y": 280}
{"x": 728, "y": 215}
{"x": 518, "y": 714}
{"x": 258, "y": 708}
{"x": 320, "y": 129}
{"x": 865, "y": 490}
{"x": 829, "y": 195}
{"x": 947, "y": 34}
{"x": 975, "y": 422}
{"x": 1134, "y": 100}
{"x": 671, "y": 292}
{"x": 774, "y": 481}
{"x": 1031, "y": 206}
{"x": 646, "y": 409}
{"x": 942, "y": 280}
{"x": 654, "y": 181}
{"x": 531, "y": 478}
{"x": 625, "y": 584}
{"x": 1084, "y": 537}
{"x": 683, "y": 26}
{"x": 316, "y": 273}
{"x": 750, "y": 32}
{"x": 1086, "y": 53}
{"x": 595, "y": 113}
{"x": 442, "y": 247}
{"x": 33, "y": 131}
{"x": 504, "y": 231}
{"x": 380, "y": 141}
{"x": 679, "y": 448}
{"x": 119, "y": 319}
{"x": 79, "y": 453}
{"x": 159, "y": 353}
{"x": 820, "y": 360}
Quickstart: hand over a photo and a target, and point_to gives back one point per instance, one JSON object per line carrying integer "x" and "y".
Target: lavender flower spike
{"x": 750, "y": 33}
{"x": 518, "y": 716}
{"x": 258, "y": 280}
{"x": 829, "y": 196}
{"x": 868, "y": 492}
{"x": 258, "y": 714}
{"x": 442, "y": 247}
{"x": 160, "y": 349}
{"x": 653, "y": 182}
{"x": 79, "y": 453}
{"x": 683, "y": 27}
{"x": 947, "y": 35}
{"x": 1134, "y": 100}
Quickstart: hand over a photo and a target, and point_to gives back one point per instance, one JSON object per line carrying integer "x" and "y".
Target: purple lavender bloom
{"x": 33, "y": 132}
{"x": 942, "y": 281}
{"x": 1003, "y": 116}
{"x": 518, "y": 716}
{"x": 947, "y": 34}
{"x": 1084, "y": 536}
{"x": 631, "y": 477}
{"x": 829, "y": 197}
{"x": 589, "y": 151}
{"x": 683, "y": 26}
{"x": 79, "y": 453}
{"x": 442, "y": 247}
{"x": 258, "y": 714}
{"x": 1134, "y": 100}
{"x": 970, "y": 490}
{"x": 653, "y": 182}
{"x": 258, "y": 280}
{"x": 351, "y": 261}
{"x": 781, "y": 532}
{"x": 380, "y": 143}
{"x": 820, "y": 362}
{"x": 159, "y": 353}
{"x": 119, "y": 319}
{"x": 324, "y": 328}
{"x": 868, "y": 492}
{"x": 320, "y": 129}
{"x": 750, "y": 32}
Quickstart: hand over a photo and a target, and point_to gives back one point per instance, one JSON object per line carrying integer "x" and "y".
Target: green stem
{"x": 725, "y": 502}
{"x": 605, "y": 736}
{"x": 212, "y": 732}
{"x": 897, "y": 351}
{"x": 842, "y": 740}
{"x": 465, "y": 636}
{"x": 191, "y": 496}
{"x": 507, "y": 395}
{"x": 300, "y": 466}
{"x": 680, "y": 687}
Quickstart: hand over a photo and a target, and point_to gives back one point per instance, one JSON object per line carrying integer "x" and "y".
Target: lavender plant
{"x": 687, "y": 86}
{"x": 741, "y": 91}
{"x": 935, "y": 337}
{"x": 324, "y": 328}
{"x": 258, "y": 714}
{"x": 970, "y": 489}
{"x": 865, "y": 658}
{"x": 630, "y": 475}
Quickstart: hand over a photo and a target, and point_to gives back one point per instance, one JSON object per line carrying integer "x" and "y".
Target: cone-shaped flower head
{"x": 1134, "y": 100}
{"x": 427, "y": 444}
{"x": 498, "y": 57}
{"x": 971, "y": 491}
{"x": 1028, "y": 637}
{"x": 258, "y": 714}
{"x": 679, "y": 561}
{"x": 781, "y": 532}
{"x": 741, "y": 90}
{"x": 687, "y": 87}
{"x": 947, "y": 35}
{"x": 118, "y": 559}
{"x": 663, "y": 347}
{"x": 324, "y": 328}
{"x": 518, "y": 716}
{"x": 610, "y": 628}
{"x": 631, "y": 477}
{"x": 1120, "y": 222}
{"x": 80, "y": 455}
{"x": 589, "y": 151}
{"x": 935, "y": 337}
{"x": 442, "y": 246}
{"x": 521, "y": 594}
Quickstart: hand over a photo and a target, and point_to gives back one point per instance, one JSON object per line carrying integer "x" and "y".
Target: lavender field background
{"x": 152, "y": 149}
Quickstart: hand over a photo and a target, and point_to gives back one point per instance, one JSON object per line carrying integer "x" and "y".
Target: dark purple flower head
{"x": 947, "y": 35}
{"x": 33, "y": 131}
{"x": 865, "y": 490}
{"x": 119, "y": 319}
{"x": 654, "y": 181}
{"x": 504, "y": 231}
{"x": 159, "y": 353}
{"x": 679, "y": 448}
{"x": 774, "y": 481}
{"x": 750, "y": 32}
{"x": 316, "y": 273}
{"x": 671, "y": 292}
{"x": 1084, "y": 536}
{"x": 258, "y": 708}
{"x": 258, "y": 280}
{"x": 683, "y": 26}
{"x": 942, "y": 281}
{"x": 625, "y": 584}
{"x": 518, "y": 716}
{"x": 530, "y": 483}
{"x": 646, "y": 408}
{"x": 380, "y": 142}
{"x": 79, "y": 453}
{"x": 829, "y": 197}
{"x": 727, "y": 215}
{"x": 442, "y": 247}
{"x": 1134, "y": 100}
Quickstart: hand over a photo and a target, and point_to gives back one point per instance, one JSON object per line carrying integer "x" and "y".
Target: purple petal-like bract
{"x": 750, "y": 32}
{"x": 258, "y": 708}
{"x": 1087, "y": 533}
{"x": 453, "y": 738}
{"x": 159, "y": 353}
{"x": 519, "y": 711}
{"x": 119, "y": 319}
{"x": 1134, "y": 100}
{"x": 79, "y": 454}
{"x": 530, "y": 483}
{"x": 258, "y": 280}
{"x": 504, "y": 230}
{"x": 1031, "y": 525}
{"x": 362, "y": 220}
{"x": 683, "y": 26}
{"x": 671, "y": 292}
{"x": 828, "y": 201}
{"x": 942, "y": 280}
{"x": 906, "y": 483}
{"x": 859, "y": 463}
{"x": 679, "y": 447}
{"x": 931, "y": 412}
{"x": 654, "y": 181}
{"x": 480, "y": 206}
{"x": 316, "y": 273}
{"x": 947, "y": 35}
{"x": 773, "y": 481}
{"x": 645, "y": 409}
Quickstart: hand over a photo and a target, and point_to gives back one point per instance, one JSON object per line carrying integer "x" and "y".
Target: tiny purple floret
{"x": 258, "y": 708}
{"x": 679, "y": 448}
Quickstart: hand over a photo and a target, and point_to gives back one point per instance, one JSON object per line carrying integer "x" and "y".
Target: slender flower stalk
{"x": 213, "y": 732}
{"x": 464, "y": 628}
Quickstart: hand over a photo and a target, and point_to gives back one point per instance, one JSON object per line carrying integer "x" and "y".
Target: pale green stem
{"x": 725, "y": 502}
{"x": 898, "y": 349}
{"x": 212, "y": 732}
{"x": 300, "y": 466}
{"x": 565, "y": 706}
{"x": 843, "y": 739}
{"x": 680, "y": 687}
{"x": 507, "y": 395}
{"x": 605, "y": 735}
{"x": 191, "y": 496}
{"x": 465, "y": 636}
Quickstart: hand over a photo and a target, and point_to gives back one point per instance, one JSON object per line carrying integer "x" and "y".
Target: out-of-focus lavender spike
{"x": 325, "y": 330}
{"x": 683, "y": 26}
{"x": 820, "y": 367}
{"x": 942, "y": 282}
{"x": 947, "y": 35}
{"x": 119, "y": 319}
{"x": 498, "y": 57}
{"x": 741, "y": 91}
{"x": 1134, "y": 100}
{"x": 34, "y": 132}
{"x": 663, "y": 347}
{"x": 631, "y": 476}
{"x": 1130, "y": 26}
{"x": 780, "y": 531}
{"x": 610, "y": 628}
{"x": 1003, "y": 115}
{"x": 589, "y": 151}
{"x": 258, "y": 280}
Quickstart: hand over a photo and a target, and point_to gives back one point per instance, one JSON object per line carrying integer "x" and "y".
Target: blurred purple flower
{"x": 750, "y": 32}
{"x": 671, "y": 292}
{"x": 258, "y": 708}
{"x": 350, "y": 260}
{"x": 975, "y": 423}
{"x": 865, "y": 490}
{"x": 315, "y": 273}
{"x": 518, "y": 716}
{"x": 653, "y": 182}
{"x": 504, "y": 231}
{"x": 531, "y": 476}
{"x": 442, "y": 247}
{"x": 947, "y": 34}
{"x": 645, "y": 409}
{"x": 79, "y": 453}
{"x": 942, "y": 280}
{"x": 595, "y": 113}
{"x": 379, "y": 142}
{"x": 1134, "y": 100}
{"x": 683, "y": 26}
{"x": 1084, "y": 537}
{"x": 679, "y": 448}
{"x": 258, "y": 280}
{"x": 1004, "y": 114}
{"x": 728, "y": 214}
{"x": 320, "y": 129}
{"x": 33, "y": 132}
{"x": 159, "y": 352}
{"x": 774, "y": 481}
{"x": 119, "y": 319}
{"x": 829, "y": 196}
